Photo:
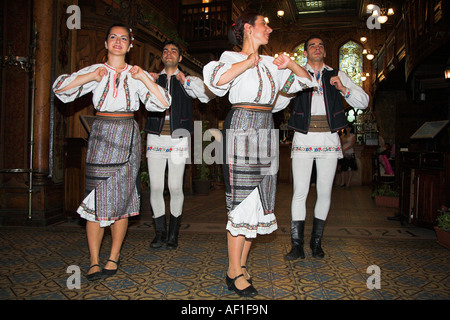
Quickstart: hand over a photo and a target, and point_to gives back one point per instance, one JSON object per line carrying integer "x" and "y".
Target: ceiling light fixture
{"x": 280, "y": 13}
{"x": 383, "y": 18}
{"x": 381, "y": 12}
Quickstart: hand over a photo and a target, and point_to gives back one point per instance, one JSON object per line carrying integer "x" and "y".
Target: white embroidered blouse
{"x": 116, "y": 92}
{"x": 244, "y": 88}
{"x": 326, "y": 144}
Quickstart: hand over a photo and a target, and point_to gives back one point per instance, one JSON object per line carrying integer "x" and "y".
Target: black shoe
{"x": 249, "y": 280}
{"x": 228, "y": 282}
{"x": 110, "y": 272}
{"x": 250, "y": 291}
{"x": 316, "y": 238}
{"x": 297, "y": 234}
{"x": 174, "y": 226}
{"x": 161, "y": 232}
{"x": 94, "y": 276}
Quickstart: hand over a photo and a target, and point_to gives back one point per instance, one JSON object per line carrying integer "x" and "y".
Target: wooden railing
{"x": 209, "y": 21}
{"x": 422, "y": 29}
{"x": 391, "y": 53}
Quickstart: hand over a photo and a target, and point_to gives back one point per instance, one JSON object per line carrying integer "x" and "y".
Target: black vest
{"x": 180, "y": 109}
{"x": 301, "y": 111}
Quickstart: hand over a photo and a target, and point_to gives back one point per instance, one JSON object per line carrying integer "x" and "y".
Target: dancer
{"x": 317, "y": 116}
{"x": 114, "y": 146}
{"x": 163, "y": 149}
{"x": 252, "y": 82}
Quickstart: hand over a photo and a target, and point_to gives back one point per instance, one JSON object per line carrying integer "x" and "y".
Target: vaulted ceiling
{"x": 307, "y": 14}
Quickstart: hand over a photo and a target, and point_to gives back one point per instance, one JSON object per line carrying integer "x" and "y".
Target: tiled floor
{"x": 34, "y": 262}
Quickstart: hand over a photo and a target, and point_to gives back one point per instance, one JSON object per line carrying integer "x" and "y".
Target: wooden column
{"x": 43, "y": 18}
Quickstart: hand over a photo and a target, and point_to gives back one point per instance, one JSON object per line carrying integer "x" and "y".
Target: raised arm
{"x": 284, "y": 62}
{"x": 238, "y": 68}
{"x": 138, "y": 74}
{"x": 82, "y": 79}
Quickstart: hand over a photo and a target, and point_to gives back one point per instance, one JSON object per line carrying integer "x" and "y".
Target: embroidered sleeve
{"x": 150, "y": 101}
{"x": 74, "y": 93}
{"x": 211, "y": 75}
{"x": 196, "y": 89}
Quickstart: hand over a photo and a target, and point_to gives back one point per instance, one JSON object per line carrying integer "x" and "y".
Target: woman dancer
{"x": 114, "y": 146}
{"x": 253, "y": 83}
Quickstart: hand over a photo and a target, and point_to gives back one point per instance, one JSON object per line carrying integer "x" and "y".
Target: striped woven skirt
{"x": 250, "y": 172}
{"x": 112, "y": 171}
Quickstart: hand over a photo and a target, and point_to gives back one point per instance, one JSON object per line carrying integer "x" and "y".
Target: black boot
{"x": 174, "y": 226}
{"x": 161, "y": 232}
{"x": 316, "y": 238}
{"x": 297, "y": 231}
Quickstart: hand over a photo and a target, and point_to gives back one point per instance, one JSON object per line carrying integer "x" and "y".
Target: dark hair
{"x": 118, "y": 24}
{"x": 305, "y": 47}
{"x": 167, "y": 42}
{"x": 236, "y": 33}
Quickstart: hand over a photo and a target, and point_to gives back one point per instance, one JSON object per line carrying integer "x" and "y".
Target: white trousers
{"x": 157, "y": 173}
{"x": 301, "y": 171}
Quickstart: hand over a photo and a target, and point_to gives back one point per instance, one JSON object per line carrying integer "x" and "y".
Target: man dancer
{"x": 163, "y": 149}
{"x": 317, "y": 116}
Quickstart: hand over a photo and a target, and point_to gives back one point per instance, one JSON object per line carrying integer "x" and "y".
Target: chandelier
{"x": 381, "y": 12}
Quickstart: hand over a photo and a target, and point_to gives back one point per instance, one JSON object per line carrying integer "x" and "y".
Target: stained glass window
{"x": 298, "y": 54}
{"x": 351, "y": 61}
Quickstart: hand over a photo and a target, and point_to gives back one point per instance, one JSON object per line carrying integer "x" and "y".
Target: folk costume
{"x": 250, "y": 145}
{"x": 164, "y": 149}
{"x": 114, "y": 145}
{"x": 317, "y": 116}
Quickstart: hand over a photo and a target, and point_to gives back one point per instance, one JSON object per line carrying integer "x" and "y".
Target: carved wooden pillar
{"x": 43, "y": 17}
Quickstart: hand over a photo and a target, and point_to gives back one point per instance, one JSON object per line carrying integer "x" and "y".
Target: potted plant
{"x": 386, "y": 196}
{"x": 443, "y": 227}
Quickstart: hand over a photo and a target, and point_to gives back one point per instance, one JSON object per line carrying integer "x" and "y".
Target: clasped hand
{"x": 282, "y": 61}
{"x": 136, "y": 73}
{"x": 337, "y": 83}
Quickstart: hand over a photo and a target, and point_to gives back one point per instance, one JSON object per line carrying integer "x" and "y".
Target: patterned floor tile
{"x": 34, "y": 261}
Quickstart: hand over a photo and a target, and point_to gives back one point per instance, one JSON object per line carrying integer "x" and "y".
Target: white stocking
{"x": 157, "y": 170}
{"x": 301, "y": 171}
